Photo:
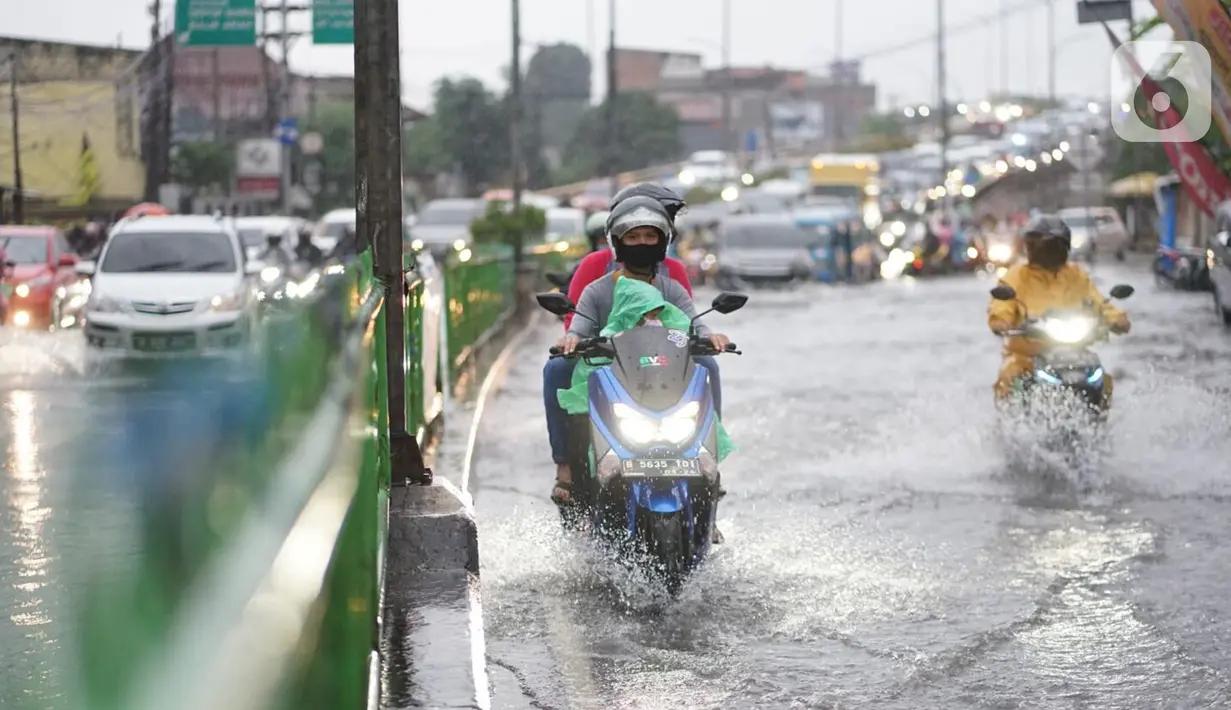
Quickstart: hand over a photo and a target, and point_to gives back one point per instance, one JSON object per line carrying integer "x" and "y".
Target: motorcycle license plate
{"x": 1074, "y": 377}
{"x": 646, "y": 468}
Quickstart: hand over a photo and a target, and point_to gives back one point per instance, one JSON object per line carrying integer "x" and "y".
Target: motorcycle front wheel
{"x": 669, "y": 548}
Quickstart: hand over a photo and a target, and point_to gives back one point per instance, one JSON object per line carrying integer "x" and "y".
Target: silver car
{"x": 762, "y": 250}
{"x": 1096, "y": 230}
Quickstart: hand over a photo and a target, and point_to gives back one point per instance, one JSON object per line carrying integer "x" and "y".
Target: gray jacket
{"x": 597, "y": 299}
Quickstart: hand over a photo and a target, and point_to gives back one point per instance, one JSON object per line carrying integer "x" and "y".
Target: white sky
{"x": 473, "y": 37}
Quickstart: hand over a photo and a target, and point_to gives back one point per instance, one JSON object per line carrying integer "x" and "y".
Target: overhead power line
{"x": 950, "y": 30}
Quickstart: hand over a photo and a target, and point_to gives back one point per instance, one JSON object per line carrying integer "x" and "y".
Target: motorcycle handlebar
{"x": 699, "y": 347}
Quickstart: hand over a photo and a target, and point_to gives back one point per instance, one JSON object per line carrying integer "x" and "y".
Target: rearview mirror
{"x": 85, "y": 268}
{"x": 555, "y": 303}
{"x": 67, "y": 260}
{"x": 557, "y": 279}
{"x": 1004, "y": 293}
{"x": 1122, "y": 291}
{"x": 726, "y": 303}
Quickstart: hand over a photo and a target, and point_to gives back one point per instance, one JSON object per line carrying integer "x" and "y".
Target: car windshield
{"x": 1083, "y": 221}
{"x": 183, "y": 252}
{"x": 846, "y": 192}
{"x": 333, "y": 230}
{"x": 761, "y": 202}
{"x": 25, "y": 250}
{"x": 450, "y": 215}
{"x": 765, "y": 235}
{"x": 564, "y": 227}
{"x": 252, "y": 237}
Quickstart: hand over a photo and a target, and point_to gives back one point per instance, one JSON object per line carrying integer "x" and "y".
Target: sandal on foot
{"x": 716, "y": 537}
{"x": 562, "y": 493}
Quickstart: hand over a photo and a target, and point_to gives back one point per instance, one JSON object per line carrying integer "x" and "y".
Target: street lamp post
{"x": 610, "y": 137}
{"x": 515, "y": 129}
{"x": 728, "y": 133}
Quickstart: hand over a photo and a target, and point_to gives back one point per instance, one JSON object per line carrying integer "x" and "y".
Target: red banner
{"x": 1201, "y": 178}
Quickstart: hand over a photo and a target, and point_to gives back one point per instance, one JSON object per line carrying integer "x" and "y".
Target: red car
{"x": 42, "y": 263}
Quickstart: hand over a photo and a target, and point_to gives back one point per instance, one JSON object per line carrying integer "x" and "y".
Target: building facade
{"x": 67, "y": 99}
{"x": 770, "y": 111}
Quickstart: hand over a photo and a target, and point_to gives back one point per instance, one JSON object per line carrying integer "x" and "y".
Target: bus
{"x": 853, "y": 177}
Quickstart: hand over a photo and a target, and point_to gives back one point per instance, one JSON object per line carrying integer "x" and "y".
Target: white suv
{"x": 170, "y": 285}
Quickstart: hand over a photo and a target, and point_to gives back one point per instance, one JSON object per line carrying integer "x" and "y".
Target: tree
{"x": 647, "y": 131}
{"x": 473, "y": 131}
{"x": 335, "y": 121}
{"x": 557, "y": 88}
{"x": 500, "y": 223}
{"x": 559, "y": 71}
{"x": 203, "y": 164}
{"x": 423, "y": 153}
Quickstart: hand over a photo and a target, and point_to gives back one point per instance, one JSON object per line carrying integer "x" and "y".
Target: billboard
{"x": 797, "y": 121}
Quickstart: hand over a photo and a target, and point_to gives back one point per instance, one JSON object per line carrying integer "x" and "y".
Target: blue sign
{"x": 750, "y": 141}
{"x": 287, "y": 131}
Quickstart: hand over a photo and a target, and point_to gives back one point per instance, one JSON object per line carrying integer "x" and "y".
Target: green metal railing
{"x": 256, "y": 558}
{"x": 479, "y": 287}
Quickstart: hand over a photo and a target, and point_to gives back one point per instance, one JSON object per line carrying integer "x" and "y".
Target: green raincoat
{"x": 633, "y": 300}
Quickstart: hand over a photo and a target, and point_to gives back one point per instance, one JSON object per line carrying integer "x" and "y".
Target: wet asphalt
{"x": 885, "y": 546}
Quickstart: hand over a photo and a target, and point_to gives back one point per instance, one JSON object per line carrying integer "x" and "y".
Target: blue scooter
{"x": 644, "y": 458}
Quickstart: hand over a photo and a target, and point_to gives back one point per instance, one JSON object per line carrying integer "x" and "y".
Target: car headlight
{"x": 103, "y": 304}
{"x": 676, "y": 428}
{"x": 24, "y": 289}
{"x": 1069, "y": 330}
{"x": 1000, "y": 252}
{"x": 226, "y": 302}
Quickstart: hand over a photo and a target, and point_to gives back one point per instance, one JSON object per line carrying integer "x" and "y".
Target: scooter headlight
{"x": 1000, "y": 252}
{"x": 676, "y": 428}
{"x": 1069, "y": 330}
{"x": 681, "y": 425}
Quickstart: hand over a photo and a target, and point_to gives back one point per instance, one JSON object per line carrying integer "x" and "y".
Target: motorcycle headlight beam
{"x": 639, "y": 429}
{"x": 1069, "y": 330}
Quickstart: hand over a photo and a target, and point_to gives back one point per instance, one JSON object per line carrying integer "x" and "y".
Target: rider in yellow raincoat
{"x": 1046, "y": 281}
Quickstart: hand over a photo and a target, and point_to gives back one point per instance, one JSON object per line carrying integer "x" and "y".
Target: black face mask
{"x": 1049, "y": 254}
{"x": 643, "y": 257}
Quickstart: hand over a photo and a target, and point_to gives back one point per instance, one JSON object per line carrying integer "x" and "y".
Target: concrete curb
{"x": 432, "y": 639}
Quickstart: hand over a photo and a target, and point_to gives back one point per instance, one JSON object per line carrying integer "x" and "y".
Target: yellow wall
{"x": 54, "y": 115}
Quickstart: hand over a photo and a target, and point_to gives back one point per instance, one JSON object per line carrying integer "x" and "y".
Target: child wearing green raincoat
{"x": 636, "y": 304}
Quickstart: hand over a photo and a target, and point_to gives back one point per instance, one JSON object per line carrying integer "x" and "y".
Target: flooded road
{"x": 882, "y": 549}
{"x": 44, "y": 404}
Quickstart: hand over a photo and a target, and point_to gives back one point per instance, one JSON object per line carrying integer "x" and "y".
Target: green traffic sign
{"x": 333, "y": 21}
{"x": 215, "y": 23}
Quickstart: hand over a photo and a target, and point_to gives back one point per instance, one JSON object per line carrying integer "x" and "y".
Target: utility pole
{"x": 611, "y": 136}
{"x": 378, "y": 198}
{"x": 216, "y": 76}
{"x": 19, "y": 207}
{"x": 515, "y": 132}
{"x": 1051, "y": 50}
{"x": 728, "y": 135}
{"x": 1004, "y": 49}
{"x": 838, "y": 79}
{"x": 152, "y": 130}
{"x": 284, "y": 103}
{"x": 942, "y": 106}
